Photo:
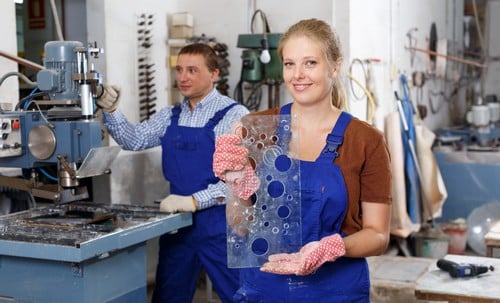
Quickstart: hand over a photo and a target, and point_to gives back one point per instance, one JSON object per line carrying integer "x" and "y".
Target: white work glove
{"x": 109, "y": 98}
{"x": 176, "y": 203}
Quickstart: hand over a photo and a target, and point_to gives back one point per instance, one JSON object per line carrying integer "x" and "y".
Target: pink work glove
{"x": 232, "y": 166}
{"x": 308, "y": 259}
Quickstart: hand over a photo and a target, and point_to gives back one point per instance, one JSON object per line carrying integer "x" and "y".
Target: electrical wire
{"x": 365, "y": 74}
{"x": 265, "y": 23}
{"x": 26, "y": 104}
{"x": 370, "y": 101}
{"x": 46, "y": 174}
{"x": 20, "y": 75}
{"x": 20, "y": 103}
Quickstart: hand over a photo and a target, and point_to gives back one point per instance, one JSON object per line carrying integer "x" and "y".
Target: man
{"x": 187, "y": 134}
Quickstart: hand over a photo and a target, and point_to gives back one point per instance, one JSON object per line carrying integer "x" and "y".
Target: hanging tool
{"x": 406, "y": 112}
{"x": 461, "y": 270}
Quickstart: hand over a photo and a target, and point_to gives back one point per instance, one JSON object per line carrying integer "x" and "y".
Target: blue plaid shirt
{"x": 148, "y": 134}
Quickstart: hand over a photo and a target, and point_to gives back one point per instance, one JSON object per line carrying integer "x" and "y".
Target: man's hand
{"x": 176, "y": 203}
{"x": 231, "y": 165}
{"x": 110, "y": 98}
{"x": 308, "y": 259}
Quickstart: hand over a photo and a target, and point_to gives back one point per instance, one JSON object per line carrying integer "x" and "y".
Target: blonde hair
{"x": 328, "y": 40}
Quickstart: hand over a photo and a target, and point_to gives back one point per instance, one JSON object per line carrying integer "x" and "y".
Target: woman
{"x": 345, "y": 183}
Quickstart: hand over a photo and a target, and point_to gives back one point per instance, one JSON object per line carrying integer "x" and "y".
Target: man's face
{"x": 194, "y": 79}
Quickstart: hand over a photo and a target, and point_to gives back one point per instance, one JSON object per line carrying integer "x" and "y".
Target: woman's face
{"x": 307, "y": 74}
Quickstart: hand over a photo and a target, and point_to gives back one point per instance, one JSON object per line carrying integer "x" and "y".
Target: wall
{"x": 9, "y": 90}
{"x": 113, "y": 23}
{"x": 378, "y": 29}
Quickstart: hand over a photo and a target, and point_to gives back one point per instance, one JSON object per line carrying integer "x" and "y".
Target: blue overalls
{"x": 187, "y": 154}
{"x": 323, "y": 206}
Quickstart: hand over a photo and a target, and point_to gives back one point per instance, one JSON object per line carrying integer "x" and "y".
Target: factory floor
{"x": 403, "y": 272}
{"x": 203, "y": 293}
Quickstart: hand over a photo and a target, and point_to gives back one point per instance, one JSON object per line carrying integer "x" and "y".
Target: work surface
{"x": 437, "y": 284}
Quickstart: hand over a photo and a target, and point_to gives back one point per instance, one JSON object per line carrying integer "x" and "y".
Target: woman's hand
{"x": 231, "y": 165}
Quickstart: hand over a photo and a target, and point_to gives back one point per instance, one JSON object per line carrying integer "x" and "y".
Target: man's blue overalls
{"x": 187, "y": 165}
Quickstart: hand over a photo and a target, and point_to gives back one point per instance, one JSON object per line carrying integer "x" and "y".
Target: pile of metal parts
{"x": 74, "y": 224}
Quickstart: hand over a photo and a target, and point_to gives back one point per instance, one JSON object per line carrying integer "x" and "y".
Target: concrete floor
{"x": 202, "y": 294}
{"x": 393, "y": 277}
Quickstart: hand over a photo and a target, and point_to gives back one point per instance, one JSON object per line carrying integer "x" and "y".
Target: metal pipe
{"x": 22, "y": 61}
{"x": 453, "y": 58}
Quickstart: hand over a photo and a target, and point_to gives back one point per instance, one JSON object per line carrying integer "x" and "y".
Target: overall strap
{"x": 176, "y": 111}
{"x": 286, "y": 109}
{"x": 335, "y": 138}
{"x": 218, "y": 116}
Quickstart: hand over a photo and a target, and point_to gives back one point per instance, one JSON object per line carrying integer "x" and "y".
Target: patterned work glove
{"x": 231, "y": 165}
{"x": 176, "y": 203}
{"x": 109, "y": 99}
{"x": 308, "y": 259}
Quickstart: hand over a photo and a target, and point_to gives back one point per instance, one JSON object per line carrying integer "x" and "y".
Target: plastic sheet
{"x": 272, "y": 224}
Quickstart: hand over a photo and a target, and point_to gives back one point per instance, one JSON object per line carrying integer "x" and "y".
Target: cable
{"x": 26, "y": 104}
{"x": 265, "y": 56}
{"x": 23, "y": 77}
{"x": 46, "y": 174}
{"x": 365, "y": 74}
{"x": 371, "y": 102}
{"x": 31, "y": 96}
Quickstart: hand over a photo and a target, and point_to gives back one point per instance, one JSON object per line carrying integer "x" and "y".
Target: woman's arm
{"x": 373, "y": 238}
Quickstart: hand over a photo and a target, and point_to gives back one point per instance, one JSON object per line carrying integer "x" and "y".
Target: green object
{"x": 274, "y": 69}
{"x": 253, "y": 70}
{"x": 254, "y": 40}
{"x": 252, "y": 67}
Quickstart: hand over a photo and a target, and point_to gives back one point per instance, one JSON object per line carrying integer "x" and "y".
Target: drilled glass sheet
{"x": 272, "y": 224}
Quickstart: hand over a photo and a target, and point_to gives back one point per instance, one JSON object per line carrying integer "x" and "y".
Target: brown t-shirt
{"x": 365, "y": 164}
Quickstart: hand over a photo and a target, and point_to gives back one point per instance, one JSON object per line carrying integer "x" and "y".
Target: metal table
{"x": 80, "y": 252}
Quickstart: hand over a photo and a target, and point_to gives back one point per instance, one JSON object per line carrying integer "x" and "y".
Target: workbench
{"x": 437, "y": 285}
{"x": 80, "y": 252}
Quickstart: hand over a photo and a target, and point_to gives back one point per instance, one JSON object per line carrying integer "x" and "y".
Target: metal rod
{"x": 22, "y": 61}
{"x": 453, "y": 58}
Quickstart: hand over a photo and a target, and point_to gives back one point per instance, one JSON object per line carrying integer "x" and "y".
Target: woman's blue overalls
{"x": 323, "y": 206}
{"x": 187, "y": 165}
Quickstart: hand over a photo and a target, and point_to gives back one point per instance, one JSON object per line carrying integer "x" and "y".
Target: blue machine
{"x": 49, "y": 255}
{"x": 50, "y": 133}
{"x": 471, "y": 179}
{"x": 469, "y": 161}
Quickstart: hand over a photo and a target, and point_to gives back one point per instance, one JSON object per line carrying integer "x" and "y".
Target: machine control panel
{"x": 10, "y": 136}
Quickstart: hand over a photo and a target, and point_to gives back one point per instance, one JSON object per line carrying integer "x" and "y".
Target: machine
{"x": 261, "y": 65}
{"x": 468, "y": 159}
{"x": 51, "y": 132}
{"x": 74, "y": 250}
